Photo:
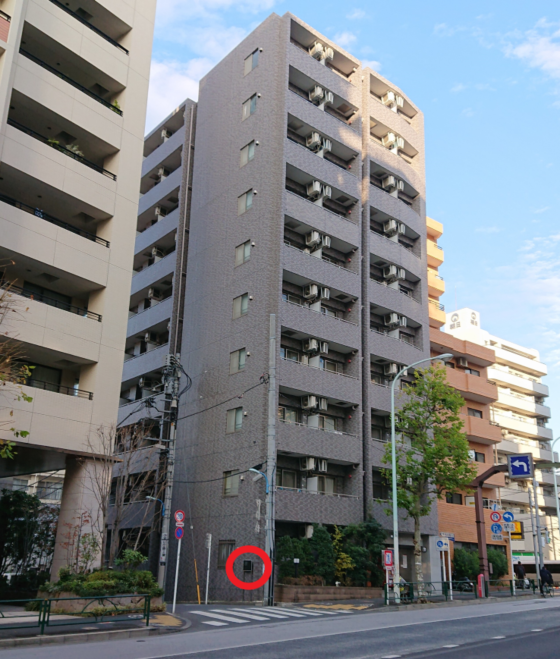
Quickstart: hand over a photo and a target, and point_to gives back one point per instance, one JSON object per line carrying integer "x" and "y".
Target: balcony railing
{"x": 385, "y": 333}
{"x": 407, "y": 247}
{"x": 408, "y": 293}
{"x": 303, "y": 490}
{"x": 304, "y": 425}
{"x": 59, "y": 389}
{"x": 318, "y": 368}
{"x": 75, "y": 84}
{"x": 322, "y": 314}
{"x": 45, "y": 299}
{"x": 288, "y": 244}
{"x": 53, "y": 220}
{"x": 87, "y": 24}
{"x": 67, "y": 152}
{"x": 437, "y": 304}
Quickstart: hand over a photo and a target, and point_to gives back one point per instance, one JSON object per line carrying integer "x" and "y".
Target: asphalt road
{"x": 516, "y": 630}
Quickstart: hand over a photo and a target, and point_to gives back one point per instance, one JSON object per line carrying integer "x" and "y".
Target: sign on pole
{"x": 497, "y": 537}
{"x": 449, "y": 536}
{"x": 509, "y": 527}
{"x": 442, "y": 544}
{"x": 496, "y": 517}
{"x": 387, "y": 558}
{"x": 520, "y": 466}
{"x": 179, "y": 532}
{"x": 496, "y": 528}
{"x": 508, "y": 517}
{"x": 179, "y": 516}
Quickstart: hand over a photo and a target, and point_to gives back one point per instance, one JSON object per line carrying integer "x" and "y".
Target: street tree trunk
{"x": 418, "y": 572}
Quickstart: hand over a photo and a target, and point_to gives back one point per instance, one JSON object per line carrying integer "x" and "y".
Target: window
{"x": 225, "y": 547}
{"x": 329, "y": 365}
{"x": 454, "y": 498}
{"x": 450, "y": 364}
{"x": 50, "y": 490}
{"x": 240, "y": 305}
{"x": 327, "y": 423}
{"x": 287, "y": 478}
{"x": 251, "y": 62}
{"x": 472, "y": 371}
{"x": 380, "y": 488}
{"x": 234, "y": 420}
{"x": 473, "y": 412}
{"x": 294, "y": 299}
{"x": 242, "y": 253}
{"x": 244, "y": 202}
{"x": 231, "y": 483}
{"x": 288, "y": 414}
{"x": 249, "y": 107}
{"x": 237, "y": 360}
{"x": 290, "y": 355}
{"x": 329, "y": 312}
{"x": 19, "y": 485}
{"x": 247, "y": 154}
{"x": 479, "y": 457}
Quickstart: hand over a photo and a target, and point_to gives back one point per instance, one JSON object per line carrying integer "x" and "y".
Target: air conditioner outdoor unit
{"x": 327, "y": 144}
{"x": 307, "y": 464}
{"x": 323, "y": 404}
{"x": 310, "y": 345}
{"x": 163, "y": 173}
{"x": 390, "y": 272}
{"x": 326, "y": 241}
{"x": 309, "y": 402}
{"x": 313, "y": 238}
{"x": 325, "y": 293}
{"x": 308, "y": 531}
{"x": 391, "y": 319}
{"x": 389, "y": 139}
{"x": 150, "y": 337}
{"x": 388, "y": 98}
{"x": 316, "y": 51}
{"x": 322, "y": 466}
{"x": 329, "y": 98}
{"x": 400, "y": 185}
{"x": 401, "y": 274}
{"x": 402, "y": 228}
{"x": 327, "y": 192}
{"x": 390, "y": 369}
{"x": 314, "y": 189}
{"x": 462, "y": 362}
{"x": 323, "y": 347}
{"x": 389, "y": 183}
{"x": 328, "y": 54}
{"x": 165, "y": 134}
{"x": 400, "y": 101}
{"x": 316, "y": 94}
{"x": 403, "y": 321}
{"x": 154, "y": 294}
{"x": 146, "y": 383}
{"x": 390, "y": 228}
{"x": 313, "y": 141}
{"x": 310, "y": 291}
{"x": 157, "y": 252}
{"x": 159, "y": 211}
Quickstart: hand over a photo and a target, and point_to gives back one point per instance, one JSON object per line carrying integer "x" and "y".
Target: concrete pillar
{"x": 79, "y": 512}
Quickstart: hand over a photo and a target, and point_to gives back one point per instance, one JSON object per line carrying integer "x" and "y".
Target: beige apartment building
{"x": 73, "y": 89}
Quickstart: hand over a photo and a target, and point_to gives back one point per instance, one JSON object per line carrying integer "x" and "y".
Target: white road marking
{"x": 215, "y": 623}
{"x": 495, "y": 637}
{"x": 310, "y": 613}
{"x": 449, "y": 646}
{"x": 251, "y": 616}
{"x": 219, "y": 617}
{"x": 264, "y": 613}
{"x": 536, "y": 630}
{"x": 292, "y": 614}
{"x": 391, "y": 656}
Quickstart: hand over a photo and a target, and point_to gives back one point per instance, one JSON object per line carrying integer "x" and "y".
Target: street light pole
{"x": 396, "y": 559}
{"x": 552, "y": 443}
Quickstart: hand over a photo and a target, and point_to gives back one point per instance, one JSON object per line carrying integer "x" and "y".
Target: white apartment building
{"x": 73, "y": 89}
{"x": 522, "y": 415}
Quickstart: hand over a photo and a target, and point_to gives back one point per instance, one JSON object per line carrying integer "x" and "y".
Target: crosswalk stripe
{"x": 219, "y": 617}
{"x": 215, "y": 623}
{"x": 264, "y": 613}
{"x": 251, "y": 616}
{"x": 309, "y": 613}
{"x": 292, "y": 614}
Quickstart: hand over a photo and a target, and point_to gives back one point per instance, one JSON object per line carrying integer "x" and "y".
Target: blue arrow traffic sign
{"x": 520, "y": 466}
{"x": 496, "y": 528}
{"x": 508, "y": 517}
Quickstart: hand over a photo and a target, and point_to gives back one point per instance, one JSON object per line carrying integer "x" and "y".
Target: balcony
{"x": 71, "y": 153}
{"x": 169, "y": 186}
{"x": 299, "y": 505}
{"x": 300, "y": 440}
{"x": 510, "y": 357}
{"x": 382, "y": 231}
{"x": 114, "y": 107}
{"x": 91, "y": 26}
{"x": 315, "y": 323}
{"x": 436, "y": 312}
{"x": 434, "y": 229}
{"x": 502, "y": 374}
{"x": 45, "y": 299}
{"x": 481, "y": 431}
{"x": 148, "y": 362}
{"x": 146, "y": 320}
{"x": 157, "y": 231}
{"x": 59, "y": 389}
{"x": 524, "y": 427}
{"x": 53, "y": 220}
{"x": 472, "y": 387}
{"x": 4, "y": 26}
{"x": 520, "y": 403}
{"x": 320, "y": 382}
{"x": 435, "y": 254}
{"x": 436, "y": 284}
{"x": 154, "y": 273}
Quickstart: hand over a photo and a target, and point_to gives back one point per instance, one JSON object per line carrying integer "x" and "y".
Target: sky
{"x": 487, "y": 77}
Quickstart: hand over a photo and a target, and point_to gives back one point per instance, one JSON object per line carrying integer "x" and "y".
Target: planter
{"x": 88, "y": 603}
{"x": 284, "y": 593}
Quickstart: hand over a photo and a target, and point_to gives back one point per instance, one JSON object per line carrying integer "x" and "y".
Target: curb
{"x": 439, "y": 605}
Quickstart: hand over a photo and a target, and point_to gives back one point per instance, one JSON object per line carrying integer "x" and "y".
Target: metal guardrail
{"x": 46, "y": 615}
{"x": 45, "y": 299}
{"x": 63, "y": 149}
{"x": 437, "y": 304}
{"x": 59, "y": 388}
{"x": 69, "y": 80}
{"x": 434, "y": 591}
{"x": 53, "y": 220}
{"x": 87, "y": 24}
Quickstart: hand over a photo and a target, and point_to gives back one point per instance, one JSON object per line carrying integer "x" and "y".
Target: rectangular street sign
{"x": 509, "y": 526}
{"x": 519, "y": 533}
{"x": 497, "y": 537}
{"x": 449, "y": 536}
{"x": 520, "y": 466}
{"x": 180, "y": 524}
{"x": 442, "y": 544}
{"x": 387, "y": 558}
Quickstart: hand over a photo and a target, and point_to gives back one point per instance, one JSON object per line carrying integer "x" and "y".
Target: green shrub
{"x": 465, "y": 564}
{"x": 107, "y": 582}
{"x": 499, "y": 563}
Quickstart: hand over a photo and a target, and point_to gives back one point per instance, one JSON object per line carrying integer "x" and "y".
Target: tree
{"x": 437, "y": 460}
{"x": 465, "y": 564}
{"x": 323, "y": 553}
{"x": 343, "y": 562}
{"x": 363, "y": 543}
{"x": 499, "y": 563}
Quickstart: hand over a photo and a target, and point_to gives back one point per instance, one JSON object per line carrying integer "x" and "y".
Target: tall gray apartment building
{"x": 307, "y": 209}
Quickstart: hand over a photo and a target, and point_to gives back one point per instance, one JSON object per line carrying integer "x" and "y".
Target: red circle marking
{"x": 249, "y": 549}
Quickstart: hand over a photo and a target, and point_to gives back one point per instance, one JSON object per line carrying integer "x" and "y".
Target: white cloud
{"x": 459, "y": 87}
{"x": 539, "y": 48}
{"x": 356, "y": 14}
{"x": 488, "y": 229}
{"x": 171, "y": 82}
{"x": 345, "y": 38}
{"x": 538, "y": 211}
{"x": 373, "y": 64}
{"x": 171, "y": 11}
{"x": 468, "y": 112}
{"x": 444, "y": 30}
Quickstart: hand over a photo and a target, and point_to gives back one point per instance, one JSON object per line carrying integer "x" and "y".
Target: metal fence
{"x": 443, "y": 591}
{"x": 41, "y": 614}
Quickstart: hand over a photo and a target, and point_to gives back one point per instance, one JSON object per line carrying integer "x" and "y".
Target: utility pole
{"x": 538, "y": 522}
{"x": 170, "y": 379}
{"x": 271, "y": 460}
{"x": 533, "y": 530}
